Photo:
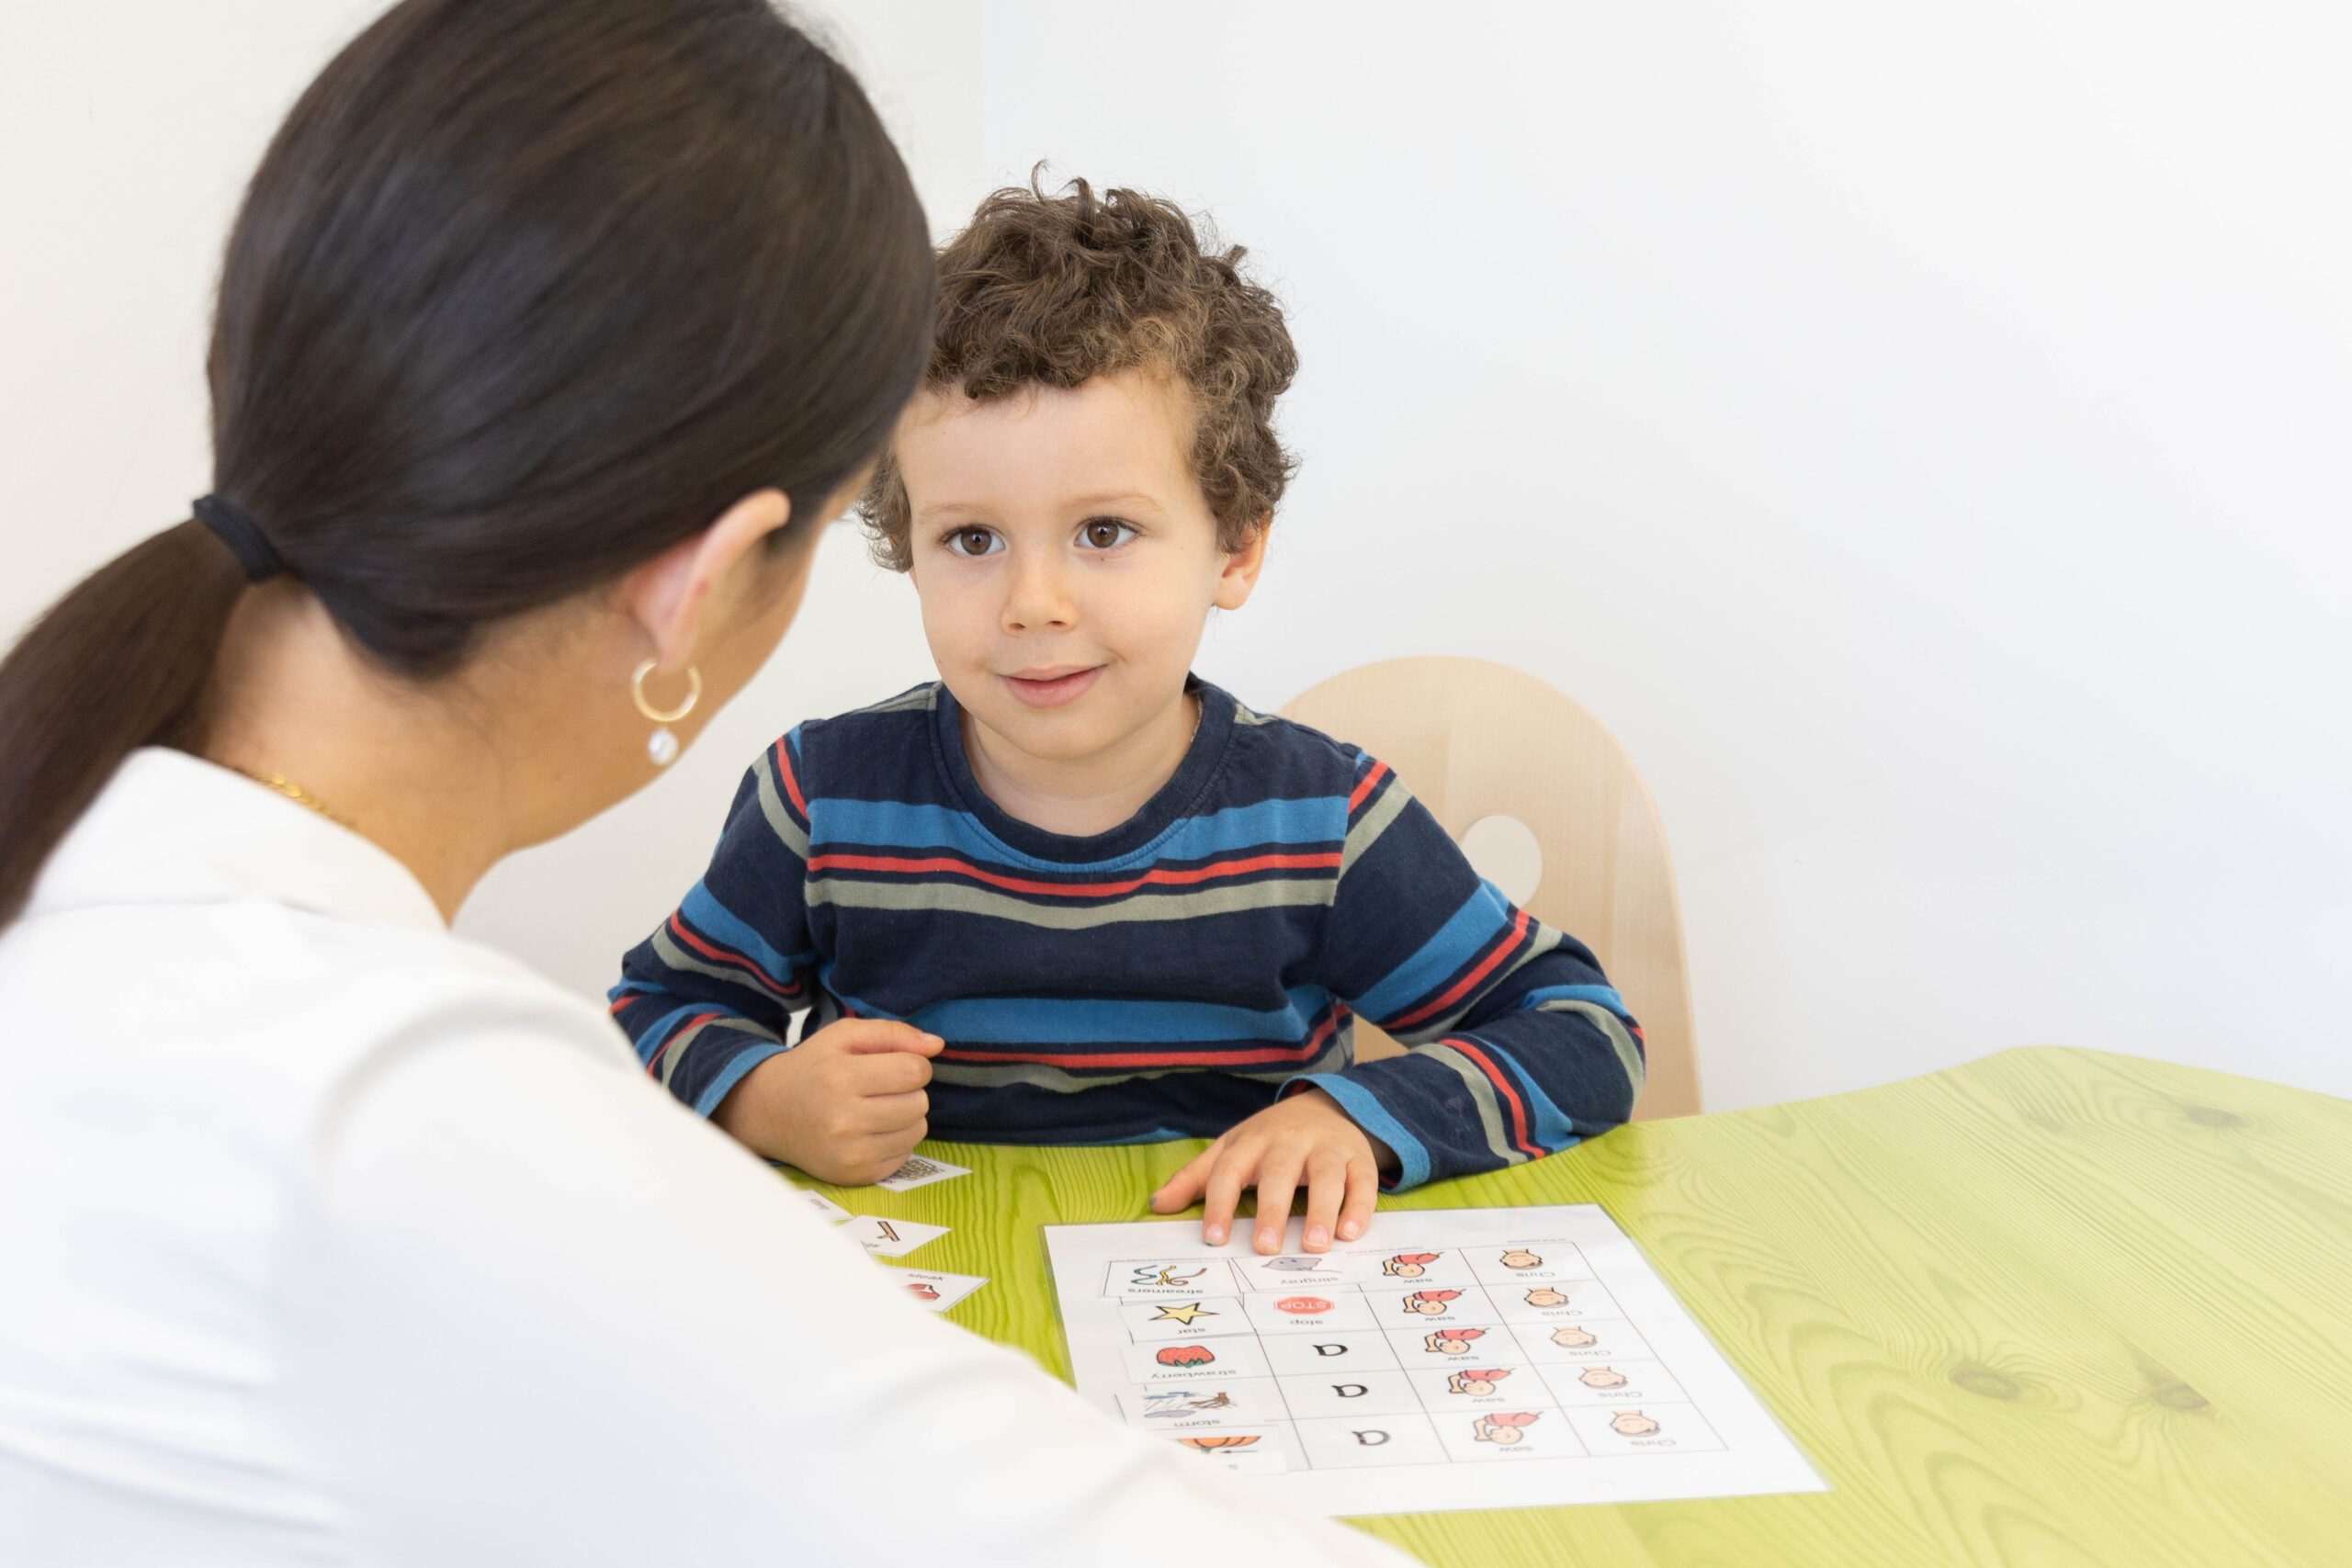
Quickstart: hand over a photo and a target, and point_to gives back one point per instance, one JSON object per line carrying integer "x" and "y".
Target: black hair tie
{"x": 235, "y": 528}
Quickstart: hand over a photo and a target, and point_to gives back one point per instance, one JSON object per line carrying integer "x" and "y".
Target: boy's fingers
{"x": 1327, "y": 1187}
{"x": 1223, "y": 1195}
{"x": 891, "y": 1072}
{"x": 1277, "y": 1179}
{"x": 867, "y": 1035}
{"x": 886, "y": 1115}
{"x": 1180, "y": 1189}
{"x": 1363, "y": 1194}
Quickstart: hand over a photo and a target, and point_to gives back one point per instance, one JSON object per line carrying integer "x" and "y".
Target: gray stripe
{"x": 964, "y": 899}
{"x": 666, "y": 948}
{"x": 684, "y": 1042}
{"x": 995, "y": 1074}
{"x": 924, "y": 697}
{"x": 1620, "y": 1039}
{"x": 1244, "y": 716}
{"x": 794, "y": 837}
{"x": 1384, "y": 810}
{"x": 1482, "y": 1092}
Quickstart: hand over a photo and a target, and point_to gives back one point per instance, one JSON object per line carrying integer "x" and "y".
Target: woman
{"x": 548, "y": 332}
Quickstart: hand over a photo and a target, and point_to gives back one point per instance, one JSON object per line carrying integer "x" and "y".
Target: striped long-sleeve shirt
{"x": 1164, "y": 979}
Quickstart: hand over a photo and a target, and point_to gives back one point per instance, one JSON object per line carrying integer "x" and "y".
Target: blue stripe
{"x": 1093, "y": 1021}
{"x": 1160, "y": 1136}
{"x": 1605, "y": 995}
{"x": 1553, "y": 1132}
{"x": 733, "y": 1074}
{"x": 1483, "y": 917}
{"x": 651, "y": 1041}
{"x": 1364, "y": 1108}
{"x": 715, "y": 921}
{"x": 903, "y": 826}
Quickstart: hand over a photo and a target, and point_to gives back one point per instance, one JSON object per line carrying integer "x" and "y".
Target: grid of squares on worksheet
{"x": 1497, "y": 1353}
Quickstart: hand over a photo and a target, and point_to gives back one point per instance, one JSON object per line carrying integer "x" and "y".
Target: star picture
{"x": 1183, "y": 1313}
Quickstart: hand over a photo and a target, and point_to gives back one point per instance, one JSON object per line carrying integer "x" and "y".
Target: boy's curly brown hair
{"x": 1057, "y": 290}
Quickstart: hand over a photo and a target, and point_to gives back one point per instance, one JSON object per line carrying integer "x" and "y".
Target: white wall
{"x": 1919, "y": 432}
{"x": 1919, "y": 435}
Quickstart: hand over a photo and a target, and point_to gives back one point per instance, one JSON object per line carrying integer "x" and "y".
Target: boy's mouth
{"x": 1051, "y": 691}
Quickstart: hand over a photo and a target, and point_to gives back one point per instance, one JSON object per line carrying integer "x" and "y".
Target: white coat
{"x": 328, "y": 1238}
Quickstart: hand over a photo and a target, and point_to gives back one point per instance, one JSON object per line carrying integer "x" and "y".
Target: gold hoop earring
{"x": 661, "y": 745}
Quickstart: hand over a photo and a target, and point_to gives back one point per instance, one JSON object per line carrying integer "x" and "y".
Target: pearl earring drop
{"x": 661, "y": 745}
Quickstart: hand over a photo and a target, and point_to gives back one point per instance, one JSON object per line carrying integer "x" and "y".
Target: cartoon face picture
{"x": 1504, "y": 1426}
{"x": 1430, "y": 1303}
{"x": 1476, "y": 1380}
{"x": 1452, "y": 1341}
{"x": 1631, "y": 1424}
{"x": 1573, "y": 1337}
{"x": 1184, "y": 1356}
{"x": 1545, "y": 1296}
{"x": 1519, "y": 1257}
{"x": 1601, "y": 1377}
{"x": 1210, "y": 1445}
{"x": 1408, "y": 1265}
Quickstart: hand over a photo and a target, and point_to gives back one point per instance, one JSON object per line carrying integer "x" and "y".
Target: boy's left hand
{"x": 1305, "y": 1136}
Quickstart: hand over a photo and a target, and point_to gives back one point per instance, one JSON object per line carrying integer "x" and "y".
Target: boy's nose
{"x": 1039, "y": 600}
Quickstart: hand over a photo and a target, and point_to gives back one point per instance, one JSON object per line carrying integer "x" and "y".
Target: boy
{"x": 1076, "y": 893}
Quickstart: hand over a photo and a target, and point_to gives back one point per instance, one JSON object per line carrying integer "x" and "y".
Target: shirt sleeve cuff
{"x": 1364, "y": 1108}
{"x": 733, "y": 1074}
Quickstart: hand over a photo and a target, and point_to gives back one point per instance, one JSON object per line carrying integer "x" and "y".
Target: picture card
{"x": 935, "y": 1290}
{"x": 920, "y": 1171}
{"x": 890, "y": 1238}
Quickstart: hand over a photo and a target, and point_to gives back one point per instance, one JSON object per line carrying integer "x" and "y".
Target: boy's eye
{"x": 1105, "y": 533}
{"x": 974, "y": 541}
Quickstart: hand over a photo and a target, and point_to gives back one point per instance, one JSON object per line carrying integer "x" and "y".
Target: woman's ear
{"x": 667, "y": 595}
{"x": 1241, "y": 567}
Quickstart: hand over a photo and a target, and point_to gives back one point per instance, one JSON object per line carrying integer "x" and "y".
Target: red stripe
{"x": 722, "y": 955}
{"x": 1303, "y": 1051}
{"x": 691, "y": 1024}
{"x": 1379, "y": 771}
{"x": 1520, "y": 1134}
{"x": 791, "y": 784}
{"x": 1075, "y": 889}
{"x": 1463, "y": 986}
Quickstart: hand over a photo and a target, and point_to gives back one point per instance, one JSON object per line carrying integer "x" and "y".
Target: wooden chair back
{"x": 1474, "y": 740}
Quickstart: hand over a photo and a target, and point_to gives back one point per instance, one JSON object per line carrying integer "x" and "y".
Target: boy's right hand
{"x": 846, "y": 1105}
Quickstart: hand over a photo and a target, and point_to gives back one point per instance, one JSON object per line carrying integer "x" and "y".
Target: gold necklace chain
{"x": 294, "y": 793}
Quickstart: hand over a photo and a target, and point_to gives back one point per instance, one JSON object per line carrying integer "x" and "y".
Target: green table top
{"x": 2054, "y": 1307}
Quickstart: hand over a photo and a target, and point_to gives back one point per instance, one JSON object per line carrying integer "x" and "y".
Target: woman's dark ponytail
{"x": 118, "y": 663}
{"x": 523, "y": 293}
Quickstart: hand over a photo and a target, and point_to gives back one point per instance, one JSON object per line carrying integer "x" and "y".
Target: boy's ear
{"x": 1241, "y": 567}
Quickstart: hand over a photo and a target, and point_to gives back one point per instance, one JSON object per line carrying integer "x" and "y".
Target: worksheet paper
{"x": 1452, "y": 1359}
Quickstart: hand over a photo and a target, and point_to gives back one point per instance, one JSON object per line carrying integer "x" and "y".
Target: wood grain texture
{"x": 2051, "y": 1308}
{"x": 1473, "y": 740}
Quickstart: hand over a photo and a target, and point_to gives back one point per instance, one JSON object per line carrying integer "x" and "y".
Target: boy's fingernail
{"x": 1348, "y": 1229}
{"x": 1213, "y": 1234}
{"x": 1317, "y": 1238}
